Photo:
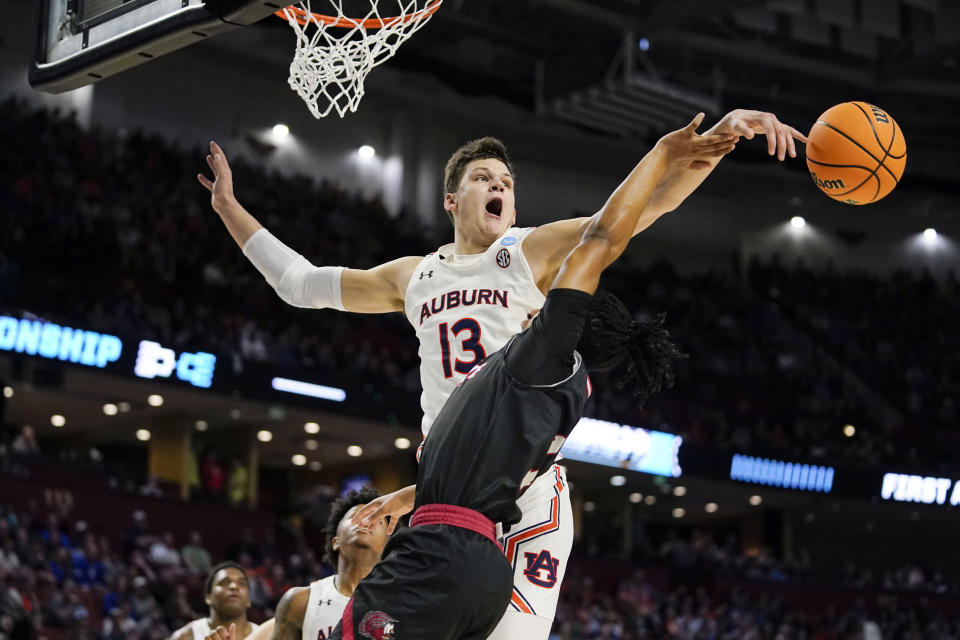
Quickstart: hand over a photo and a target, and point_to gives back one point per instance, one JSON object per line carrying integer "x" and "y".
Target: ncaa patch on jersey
{"x": 509, "y": 240}
{"x": 503, "y": 258}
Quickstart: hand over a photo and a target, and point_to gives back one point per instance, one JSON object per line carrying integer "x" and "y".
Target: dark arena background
{"x": 162, "y": 410}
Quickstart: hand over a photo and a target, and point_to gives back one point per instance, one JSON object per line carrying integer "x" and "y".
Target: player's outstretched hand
{"x": 392, "y": 506}
{"x": 221, "y": 188}
{"x": 685, "y": 147}
{"x": 530, "y": 316}
{"x": 748, "y": 122}
{"x": 223, "y": 634}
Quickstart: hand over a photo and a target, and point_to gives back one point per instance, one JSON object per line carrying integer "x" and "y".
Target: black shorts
{"x": 435, "y": 582}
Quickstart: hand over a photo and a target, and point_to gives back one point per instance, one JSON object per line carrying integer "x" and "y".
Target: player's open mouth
{"x": 495, "y": 206}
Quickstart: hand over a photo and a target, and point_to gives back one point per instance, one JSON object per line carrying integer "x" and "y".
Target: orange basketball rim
{"x": 351, "y": 23}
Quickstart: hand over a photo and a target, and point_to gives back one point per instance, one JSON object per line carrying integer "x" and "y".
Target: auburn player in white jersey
{"x": 311, "y": 613}
{"x": 227, "y": 593}
{"x": 468, "y": 298}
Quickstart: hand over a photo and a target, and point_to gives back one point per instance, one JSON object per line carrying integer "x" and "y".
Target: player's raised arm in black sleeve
{"x": 543, "y": 354}
{"x": 608, "y": 234}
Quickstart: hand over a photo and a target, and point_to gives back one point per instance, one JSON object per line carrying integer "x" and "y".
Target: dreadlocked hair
{"x": 611, "y": 334}
{"x": 650, "y": 358}
{"x": 338, "y": 510}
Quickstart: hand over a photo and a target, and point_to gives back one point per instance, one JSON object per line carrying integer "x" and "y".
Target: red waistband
{"x": 456, "y": 517}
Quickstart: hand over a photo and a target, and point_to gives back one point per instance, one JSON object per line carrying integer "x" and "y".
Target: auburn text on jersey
{"x": 463, "y": 298}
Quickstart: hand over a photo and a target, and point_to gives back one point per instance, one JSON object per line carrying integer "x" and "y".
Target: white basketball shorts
{"x": 538, "y": 548}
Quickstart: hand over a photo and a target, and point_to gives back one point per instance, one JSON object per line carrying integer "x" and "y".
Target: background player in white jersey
{"x": 469, "y": 297}
{"x": 227, "y": 593}
{"x": 311, "y": 613}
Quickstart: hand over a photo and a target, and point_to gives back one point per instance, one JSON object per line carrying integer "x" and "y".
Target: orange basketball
{"x": 856, "y": 153}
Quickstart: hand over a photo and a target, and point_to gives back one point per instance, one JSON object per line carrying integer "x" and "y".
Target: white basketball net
{"x": 333, "y": 57}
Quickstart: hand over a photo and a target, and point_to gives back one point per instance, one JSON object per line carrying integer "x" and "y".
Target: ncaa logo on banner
{"x": 156, "y": 361}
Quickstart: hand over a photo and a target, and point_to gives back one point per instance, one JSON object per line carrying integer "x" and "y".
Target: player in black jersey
{"x": 445, "y": 576}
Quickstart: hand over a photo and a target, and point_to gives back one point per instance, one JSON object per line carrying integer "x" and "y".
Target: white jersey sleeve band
{"x": 292, "y": 276}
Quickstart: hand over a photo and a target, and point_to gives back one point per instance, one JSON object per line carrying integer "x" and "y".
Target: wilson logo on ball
{"x": 879, "y": 115}
{"x": 827, "y": 184}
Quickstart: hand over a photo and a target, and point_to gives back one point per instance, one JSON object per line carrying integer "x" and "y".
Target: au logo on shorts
{"x": 503, "y": 258}
{"x": 377, "y": 625}
{"x": 541, "y": 568}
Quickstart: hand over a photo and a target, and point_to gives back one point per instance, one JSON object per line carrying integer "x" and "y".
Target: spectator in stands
{"x": 95, "y": 571}
{"x": 8, "y": 556}
{"x": 195, "y": 556}
{"x": 76, "y": 614}
{"x": 117, "y": 593}
{"x": 151, "y": 488}
{"x": 163, "y": 551}
{"x": 257, "y": 587}
{"x": 61, "y": 566}
{"x": 179, "y": 609}
{"x": 7, "y": 624}
{"x": 238, "y": 483}
{"x": 142, "y": 600}
{"x": 118, "y": 624}
{"x": 138, "y": 534}
{"x": 211, "y": 477}
{"x": 26, "y": 442}
{"x": 52, "y": 535}
{"x": 193, "y": 475}
{"x": 246, "y": 550}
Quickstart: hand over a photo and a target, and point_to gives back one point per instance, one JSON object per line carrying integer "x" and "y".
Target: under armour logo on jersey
{"x": 539, "y": 562}
{"x": 428, "y": 274}
{"x": 503, "y": 258}
{"x": 327, "y": 602}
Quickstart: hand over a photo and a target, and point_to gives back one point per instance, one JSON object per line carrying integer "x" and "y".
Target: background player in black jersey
{"x": 445, "y": 577}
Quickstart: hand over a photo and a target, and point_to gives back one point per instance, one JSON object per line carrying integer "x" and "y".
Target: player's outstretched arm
{"x": 549, "y": 244}
{"x": 295, "y": 279}
{"x": 238, "y": 220}
{"x": 288, "y": 621}
{"x": 607, "y": 233}
{"x": 679, "y": 183}
{"x": 392, "y": 506}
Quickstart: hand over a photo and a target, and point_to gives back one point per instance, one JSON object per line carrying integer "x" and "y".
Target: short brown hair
{"x": 479, "y": 149}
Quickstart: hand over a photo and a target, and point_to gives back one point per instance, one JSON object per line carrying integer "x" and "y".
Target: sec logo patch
{"x": 503, "y": 258}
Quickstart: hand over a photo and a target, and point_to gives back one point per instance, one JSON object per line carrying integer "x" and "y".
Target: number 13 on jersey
{"x": 469, "y": 343}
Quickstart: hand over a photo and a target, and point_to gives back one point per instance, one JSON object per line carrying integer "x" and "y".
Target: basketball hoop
{"x": 335, "y": 53}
